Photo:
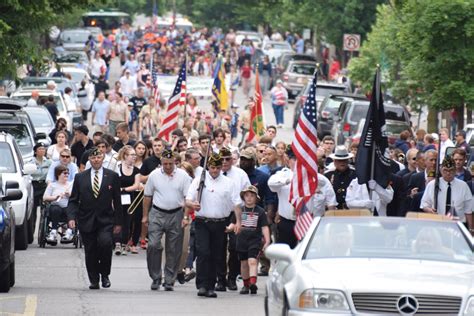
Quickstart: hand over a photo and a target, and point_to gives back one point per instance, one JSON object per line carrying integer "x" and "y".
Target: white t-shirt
{"x": 168, "y": 191}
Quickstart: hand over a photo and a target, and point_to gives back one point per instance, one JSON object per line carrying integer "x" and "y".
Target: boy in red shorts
{"x": 249, "y": 240}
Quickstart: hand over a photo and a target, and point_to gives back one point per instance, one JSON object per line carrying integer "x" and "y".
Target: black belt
{"x": 168, "y": 211}
{"x": 210, "y": 220}
{"x": 39, "y": 181}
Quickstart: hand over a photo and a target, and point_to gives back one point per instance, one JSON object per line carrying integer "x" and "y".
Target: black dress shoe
{"x": 180, "y": 278}
{"x": 155, "y": 285}
{"x": 231, "y": 285}
{"x": 168, "y": 287}
{"x": 94, "y": 286}
{"x": 211, "y": 293}
{"x": 263, "y": 273}
{"x": 191, "y": 275}
{"x": 220, "y": 287}
{"x": 253, "y": 288}
{"x": 202, "y": 291}
{"x": 105, "y": 282}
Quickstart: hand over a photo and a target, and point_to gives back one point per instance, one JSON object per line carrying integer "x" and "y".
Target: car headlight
{"x": 469, "y": 310}
{"x": 323, "y": 300}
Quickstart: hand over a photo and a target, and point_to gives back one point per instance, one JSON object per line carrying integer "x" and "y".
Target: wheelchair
{"x": 45, "y": 228}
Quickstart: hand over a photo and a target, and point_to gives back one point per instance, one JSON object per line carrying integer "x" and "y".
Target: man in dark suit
{"x": 95, "y": 203}
{"x": 417, "y": 182}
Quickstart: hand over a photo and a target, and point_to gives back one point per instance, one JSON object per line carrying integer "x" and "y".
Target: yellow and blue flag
{"x": 219, "y": 90}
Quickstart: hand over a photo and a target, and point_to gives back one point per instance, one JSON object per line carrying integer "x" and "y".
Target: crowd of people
{"x": 216, "y": 201}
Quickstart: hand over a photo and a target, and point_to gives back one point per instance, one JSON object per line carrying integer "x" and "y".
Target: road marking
{"x": 30, "y": 305}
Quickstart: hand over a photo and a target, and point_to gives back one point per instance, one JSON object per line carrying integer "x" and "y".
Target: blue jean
{"x": 278, "y": 111}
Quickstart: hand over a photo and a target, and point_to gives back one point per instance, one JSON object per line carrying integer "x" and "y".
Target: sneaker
{"x": 189, "y": 276}
{"x": 124, "y": 250}
{"x": 253, "y": 288}
{"x": 68, "y": 236}
{"x": 143, "y": 244}
{"x": 133, "y": 249}
{"x": 52, "y": 237}
{"x": 244, "y": 290}
{"x": 118, "y": 249}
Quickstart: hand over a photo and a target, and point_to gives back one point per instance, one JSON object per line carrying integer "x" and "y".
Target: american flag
{"x": 305, "y": 179}
{"x": 177, "y": 99}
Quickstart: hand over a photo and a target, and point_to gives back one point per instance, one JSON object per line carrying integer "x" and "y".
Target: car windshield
{"x": 395, "y": 113}
{"x": 332, "y": 105}
{"x": 303, "y": 69}
{"x": 75, "y": 37}
{"x": 42, "y": 99}
{"x": 71, "y": 58}
{"x": 395, "y": 129}
{"x": 39, "y": 117}
{"x": 7, "y": 163}
{"x": 389, "y": 238}
{"x": 22, "y": 136}
{"x": 322, "y": 91}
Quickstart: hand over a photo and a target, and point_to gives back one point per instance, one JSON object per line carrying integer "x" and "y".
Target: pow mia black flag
{"x": 373, "y": 157}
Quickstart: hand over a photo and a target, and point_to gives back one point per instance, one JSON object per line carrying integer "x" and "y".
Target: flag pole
{"x": 377, "y": 104}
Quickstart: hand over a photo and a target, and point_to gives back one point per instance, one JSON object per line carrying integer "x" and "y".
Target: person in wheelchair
{"x": 57, "y": 194}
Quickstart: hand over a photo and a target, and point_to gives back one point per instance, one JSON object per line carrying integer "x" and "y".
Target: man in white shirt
{"x": 241, "y": 181}
{"x": 219, "y": 196}
{"x": 444, "y": 143}
{"x": 163, "y": 211}
{"x": 34, "y": 98}
{"x": 97, "y": 66}
{"x": 358, "y": 196}
{"x": 128, "y": 84}
{"x": 454, "y": 197}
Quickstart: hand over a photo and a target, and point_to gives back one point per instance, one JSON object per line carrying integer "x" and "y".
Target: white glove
{"x": 372, "y": 184}
{"x": 369, "y": 204}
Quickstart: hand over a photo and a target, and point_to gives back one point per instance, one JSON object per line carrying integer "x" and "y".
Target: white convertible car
{"x": 374, "y": 266}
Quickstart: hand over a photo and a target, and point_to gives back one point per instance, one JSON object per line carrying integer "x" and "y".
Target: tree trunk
{"x": 469, "y": 116}
{"x": 432, "y": 121}
{"x": 460, "y": 116}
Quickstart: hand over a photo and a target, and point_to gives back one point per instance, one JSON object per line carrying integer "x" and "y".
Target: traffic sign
{"x": 351, "y": 42}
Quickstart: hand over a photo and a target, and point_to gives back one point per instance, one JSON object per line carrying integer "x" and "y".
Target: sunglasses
{"x": 65, "y": 172}
{"x": 65, "y": 156}
{"x": 227, "y": 158}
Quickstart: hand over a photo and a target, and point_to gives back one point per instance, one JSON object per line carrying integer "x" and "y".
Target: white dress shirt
{"x": 357, "y": 196}
{"x": 238, "y": 177}
{"x": 219, "y": 196}
{"x": 110, "y": 162}
{"x": 168, "y": 191}
{"x": 443, "y": 145}
{"x": 280, "y": 184}
{"x": 461, "y": 197}
{"x": 325, "y": 196}
{"x": 101, "y": 173}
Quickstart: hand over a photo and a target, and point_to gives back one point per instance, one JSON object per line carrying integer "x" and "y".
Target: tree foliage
{"x": 22, "y": 23}
{"x": 426, "y": 49}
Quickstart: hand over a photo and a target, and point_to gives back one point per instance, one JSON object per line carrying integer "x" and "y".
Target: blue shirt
{"x": 72, "y": 171}
{"x": 259, "y": 179}
{"x": 100, "y": 109}
{"x": 299, "y": 46}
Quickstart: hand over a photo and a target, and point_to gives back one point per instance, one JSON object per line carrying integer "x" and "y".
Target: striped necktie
{"x": 95, "y": 187}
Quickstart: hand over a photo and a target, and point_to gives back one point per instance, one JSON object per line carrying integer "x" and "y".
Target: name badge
{"x": 126, "y": 199}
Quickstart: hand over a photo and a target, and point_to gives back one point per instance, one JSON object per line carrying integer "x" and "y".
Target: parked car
{"x": 296, "y": 76}
{"x": 40, "y": 83}
{"x": 42, "y": 121}
{"x": 74, "y": 39}
{"x": 77, "y": 74}
{"x": 374, "y": 266}
{"x": 13, "y": 168}
{"x": 285, "y": 58}
{"x": 469, "y": 128}
{"x": 323, "y": 89}
{"x": 329, "y": 108}
{"x": 15, "y": 121}
{"x": 350, "y": 113}
{"x": 71, "y": 114}
{"x": 392, "y": 129}
{"x": 255, "y": 37}
{"x": 7, "y": 234}
{"x": 275, "y": 49}
{"x": 77, "y": 59}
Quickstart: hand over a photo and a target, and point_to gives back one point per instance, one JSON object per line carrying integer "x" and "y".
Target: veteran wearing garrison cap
{"x": 95, "y": 204}
{"x": 219, "y": 197}
{"x": 454, "y": 197}
{"x": 163, "y": 212}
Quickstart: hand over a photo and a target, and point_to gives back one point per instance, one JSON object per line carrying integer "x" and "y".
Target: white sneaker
{"x": 67, "y": 238}
{"x": 52, "y": 237}
{"x": 118, "y": 249}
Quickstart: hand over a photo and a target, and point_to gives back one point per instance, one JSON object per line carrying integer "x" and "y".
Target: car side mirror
{"x": 280, "y": 252}
{"x": 40, "y": 136}
{"x": 12, "y": 195}
{"x": 29, "y": 168}
{"x": 12, "y": 185}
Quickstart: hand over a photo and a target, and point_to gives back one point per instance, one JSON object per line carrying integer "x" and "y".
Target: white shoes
{"x": 68, "y": 236}
{"x": 52, "y": 237}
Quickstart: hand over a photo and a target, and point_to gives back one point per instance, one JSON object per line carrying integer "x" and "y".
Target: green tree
{"x": 22, "y": 23}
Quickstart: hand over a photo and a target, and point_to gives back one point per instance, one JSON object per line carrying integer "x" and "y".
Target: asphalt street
{"x": 53, "y": 281}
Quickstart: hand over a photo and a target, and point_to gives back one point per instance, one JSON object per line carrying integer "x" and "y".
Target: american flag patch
{"x": 249, "y": 219}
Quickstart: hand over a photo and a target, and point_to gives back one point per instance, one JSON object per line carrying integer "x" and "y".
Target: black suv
{"x": 329, "y": 107}
{"x": 7, "y": 234}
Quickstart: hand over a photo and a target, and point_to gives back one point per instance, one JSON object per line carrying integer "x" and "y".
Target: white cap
{"x": 435, "y": 136}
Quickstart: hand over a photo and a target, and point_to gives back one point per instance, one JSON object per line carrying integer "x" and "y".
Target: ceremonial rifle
{"x": 436, "y": 187}
{"x": 203, "y": 173}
